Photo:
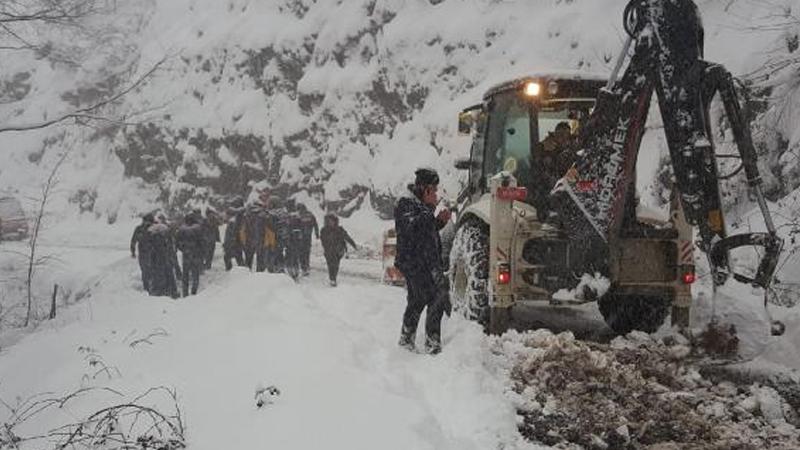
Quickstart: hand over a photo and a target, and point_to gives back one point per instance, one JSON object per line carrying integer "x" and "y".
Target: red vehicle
{"x": 390, "y": 273}
{"x": 13, "y": 224}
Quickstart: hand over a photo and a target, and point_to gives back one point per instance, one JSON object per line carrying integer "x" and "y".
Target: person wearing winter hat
{"x": 419, "y": 258}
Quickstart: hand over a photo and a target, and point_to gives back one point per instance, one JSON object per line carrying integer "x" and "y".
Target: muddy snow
{"x": 636, "y": 392}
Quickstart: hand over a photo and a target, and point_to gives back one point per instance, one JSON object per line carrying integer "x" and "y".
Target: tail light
{"x": 503, "y": 274}
{"x": 586, "y": 185}
{"x": 512, "y": 193}
{"x": 688, "y": 276}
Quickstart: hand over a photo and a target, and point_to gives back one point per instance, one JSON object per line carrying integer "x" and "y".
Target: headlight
{"x": 532, "y": 89}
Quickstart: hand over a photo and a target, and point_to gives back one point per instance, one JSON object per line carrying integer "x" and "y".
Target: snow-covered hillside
{"x": 336, "y": 99}
{"x": 334, "y": 103}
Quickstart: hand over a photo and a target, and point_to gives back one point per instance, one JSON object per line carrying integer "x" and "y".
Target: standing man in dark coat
{"x": 234, "y": 238}
{"x": 334, "y": 244}
{"x": 308, "y": 224}
{"x": 419, "y": 258}
{"x": 141, "y": 240}
{"x": 163, "y": 259}
{"x": 192, "y": 244}
{"x": 211, "y": 236}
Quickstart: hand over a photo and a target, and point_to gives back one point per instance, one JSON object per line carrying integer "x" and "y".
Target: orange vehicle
{"x": 390, "y": 273}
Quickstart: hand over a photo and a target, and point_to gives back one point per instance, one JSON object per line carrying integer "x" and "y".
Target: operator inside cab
{"x": 550, "y": 160}
{"x": 556, "y": 151}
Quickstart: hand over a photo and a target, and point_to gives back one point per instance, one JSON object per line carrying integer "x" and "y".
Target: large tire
{"x": 625, "y": 313}
{"x": 469, "y": 271}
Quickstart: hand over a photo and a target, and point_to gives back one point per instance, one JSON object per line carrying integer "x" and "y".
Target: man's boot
{"x": 433, "y": 344}
{"x": 407, "y": 339}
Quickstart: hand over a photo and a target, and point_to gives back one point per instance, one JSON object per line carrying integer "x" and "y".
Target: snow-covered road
{"x": 332, "y": 352}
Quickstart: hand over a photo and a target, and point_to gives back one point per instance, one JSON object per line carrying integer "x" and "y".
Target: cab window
{"x": 508, "y": 137}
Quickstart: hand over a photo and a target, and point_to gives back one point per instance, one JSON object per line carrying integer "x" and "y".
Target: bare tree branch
{"x": 134, "y": 424}
{"x": 158, "y": 332}
{"x": 37, "y": 225}
{"x": 51, "y": 12}
{"x": 85, "y": 113}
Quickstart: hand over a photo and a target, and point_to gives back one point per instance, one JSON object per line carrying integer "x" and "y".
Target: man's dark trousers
{"x": 422, "y": 294}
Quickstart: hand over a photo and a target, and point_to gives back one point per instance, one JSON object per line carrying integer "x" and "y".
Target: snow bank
{"x": 332, "y": 353}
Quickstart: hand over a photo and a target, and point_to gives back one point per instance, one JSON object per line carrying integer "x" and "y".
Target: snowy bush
{"x": 142, "y": 422}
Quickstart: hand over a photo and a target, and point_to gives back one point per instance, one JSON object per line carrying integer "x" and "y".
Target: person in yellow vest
{"x": 253, "y": 234}
{"x": 269, "y": 245}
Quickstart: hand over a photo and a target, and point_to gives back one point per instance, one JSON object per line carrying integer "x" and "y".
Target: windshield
{"x": 510, "y": 135}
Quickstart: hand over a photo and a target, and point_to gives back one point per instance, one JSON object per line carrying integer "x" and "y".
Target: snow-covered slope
{"x": 338, "y": 99}
{"x": 334, "y": 102}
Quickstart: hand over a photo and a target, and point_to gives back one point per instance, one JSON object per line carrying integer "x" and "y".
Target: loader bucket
{"x": 771, "y": 245}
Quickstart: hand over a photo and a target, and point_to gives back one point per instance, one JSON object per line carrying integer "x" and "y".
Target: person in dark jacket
{"x": 140, "y": 240}
{"x": 163, "y": 260}
{"x": 334, "y": 244}
{"x": 308, "y": 224}
{"x": 192, "y": 244}
{"x": 419, "y": 251}
{"x": 280, "y": 222}
{"x": 550, "y": 160}
{"x": 211, "y": 236}
{"x": 292, "y": 239}
{"x": 232, "y": 244}
{"x": 253, "y": 233}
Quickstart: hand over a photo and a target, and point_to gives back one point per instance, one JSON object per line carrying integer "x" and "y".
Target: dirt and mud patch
{"x": 636, "y": 392}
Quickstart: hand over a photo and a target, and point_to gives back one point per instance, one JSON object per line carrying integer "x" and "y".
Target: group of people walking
{"x": 272, "y": 235}
{"x": 267, "y": 235}
{"x": 156, "y": 242}
{"x": 277, "y": 237}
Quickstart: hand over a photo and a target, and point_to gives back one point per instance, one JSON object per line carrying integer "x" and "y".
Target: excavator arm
{"x": 667, "y": 41}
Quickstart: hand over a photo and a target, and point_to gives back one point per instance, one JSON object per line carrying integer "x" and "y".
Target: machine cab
{"x": 527, "y": 127}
